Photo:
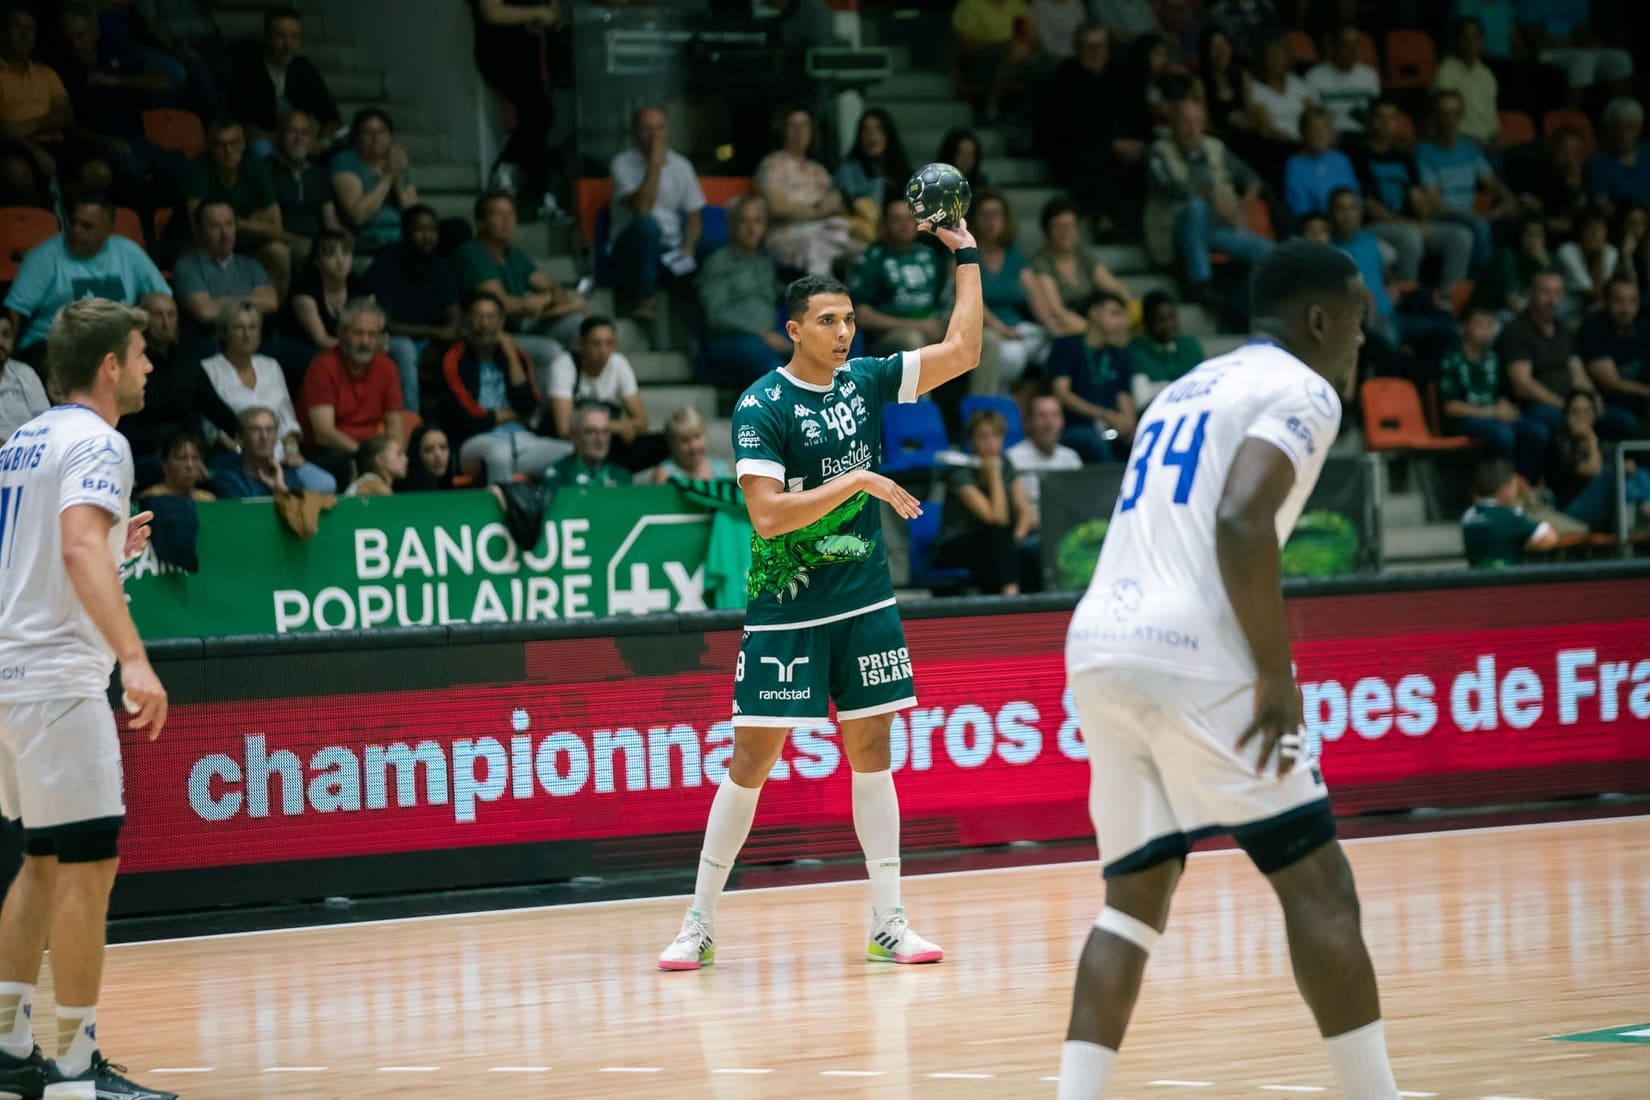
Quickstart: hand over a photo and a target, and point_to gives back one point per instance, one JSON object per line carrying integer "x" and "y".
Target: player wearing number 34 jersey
{"x": 820, "y": 625}
{"x": 1178, "y": 659}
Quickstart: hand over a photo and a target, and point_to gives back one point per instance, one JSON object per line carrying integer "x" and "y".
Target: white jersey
{"x": 1156, "y": 600}
{"x": 49, "y": 647}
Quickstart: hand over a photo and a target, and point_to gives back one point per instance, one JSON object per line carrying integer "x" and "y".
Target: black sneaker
{"x": 26, "y": 1077}
{"x": 107, "y": 1079}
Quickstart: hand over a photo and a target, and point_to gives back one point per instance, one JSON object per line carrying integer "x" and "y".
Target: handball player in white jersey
{"x": 1178, "y": 657}
{"x": 65, "y": 488}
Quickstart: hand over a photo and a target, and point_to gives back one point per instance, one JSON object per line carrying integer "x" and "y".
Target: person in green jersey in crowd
{"x": 1495, "y": 530}
{"x": 821, "y": 624}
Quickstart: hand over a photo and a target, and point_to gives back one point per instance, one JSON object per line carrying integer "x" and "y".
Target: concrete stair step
{"x": 1197, "y": 321}
{"x": 1124, "y": 259}
{"x": 665, "y": 399}
{"x": 448, "y": 175}
{"x": 563, "y": 269}
{"x": 403, "y": 113}
{"x": 1428, "y": 541}
{"x": 544, "y": 238}
{"x": 661, "y": 367}
{"x": 247, "y": 23}
{"x": 923, "y": 143}
{"x": 449, "y": 204}
{"x": 329, "y": 57}
{"x": 1142, "y": 283}
{"x": 905, "y": 87}
{"x": 1019, "y": 172}
{"x": 929, "y": 114}
{"x": 423, "y": 145}
{"x": 1403, "y": 509}
{"x": 1424, "y": 565}
{"x": 356, "y": 84}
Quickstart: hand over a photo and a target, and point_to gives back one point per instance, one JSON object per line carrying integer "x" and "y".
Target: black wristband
{"x": 968, "y": 255}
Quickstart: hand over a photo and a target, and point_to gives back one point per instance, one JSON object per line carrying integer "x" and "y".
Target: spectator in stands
{"x": 22, "y": 397}
{"x": 1426, "y": 333}
{"x": 431, "y": 467}
{"x": 184, "y": 465}
{"x": 1090, "y": 149}
{"x": 1495, "y": 531}
{"x": 416, "y": 286}
{"x": 246, "y": 380}
{"x": 1279, "y": 96}
{"x": 740, "y": 293}
{"x": 1504, "y": 284}
{"x": 542, "y": 316}
{"x": 85, "y": 259}
{"x": 260, "y": 471}
{"x": 1041, "y": 450}
{"x": 656, "y": 213}
{"x": 994, "y": 48}
{"x": 109, "y": 82}
{"x": 1315, "y": 228}
{"x": 1632, "y": 235}
{"x": 1066, "y": 273}
{"x": 588, "y": 466}
{"x": 1344, "y": 84}
{"x": 1090, "y": 375}
{"x": 1226, "y": 85}
{"x": 489, "y": 400}
{"x": 808, "y": 229}
{"x": 1197, "y": 203}
{"x": 225, "y": 174}
{"x": 1007, "y": 283}
{"x": 1472, "y": 391}
{"x": 986, "y": 511}
{"x": 1160, "y": 78}
{"x": 1552, "y": 188}
{"x": 1465, "y": 73}
{"x": 1055, "y": 24}
{"x": 178, "y": 396}
{"x": 900, "y": 286}
{"x": 1397, "y": 209}
{"x": 38, "y": 136}
{"x": 1453, "y": 166}
{"x": 372, "y": 180}
{"x": 302, "y": 190}
{"x": 1319, "y": 169}
{"x": 1620, "y": 171}
{"x": 351, "y": 391}
{"x": 960, "y": 148}
{"x": 281, "y": 77}
{"x": 1163, "y": 353}
{"x": 324, "y": 287}
{"x": 1581, "y": 478}
{"x": 1614, "y": 345}
{"x": 1588, "y": 262}
{"x": 1127, "y": 20}
{"x": 875, "y": 167}
{"x": 515, "y": 54}
{"x": 598, "y": 372}
{"x": 1542, "y": 364}
{"x": 1560, "y": 33}
{"x": 1251, "y": 23}
{"x": 183, "y": 37}
{"x": 689, "y": 457}
{"x": 382, "y": 461}
{"x": 213, "y": 276}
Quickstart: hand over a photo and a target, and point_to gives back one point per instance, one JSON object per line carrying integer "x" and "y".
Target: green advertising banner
{"x": 427, "y": 558}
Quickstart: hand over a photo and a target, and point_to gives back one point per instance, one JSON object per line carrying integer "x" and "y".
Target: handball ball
{"x": 938, "y": 195}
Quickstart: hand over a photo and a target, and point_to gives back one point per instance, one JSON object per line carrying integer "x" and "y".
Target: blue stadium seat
{"x": 925, "y": 530}
{"x": 714, "y": 228}
{"x": 1004, "y": 405}
{"x": 911, "y": 436}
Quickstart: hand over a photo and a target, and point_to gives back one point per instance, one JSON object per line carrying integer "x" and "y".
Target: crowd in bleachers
{"x": 313, "y": 325}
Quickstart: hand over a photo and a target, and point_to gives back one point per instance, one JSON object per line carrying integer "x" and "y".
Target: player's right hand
{"x": 954, "y": 238}
{"x": 908, "y": 506}
{"x": 1278, "y": 714}
{"x": 144, "y": 690}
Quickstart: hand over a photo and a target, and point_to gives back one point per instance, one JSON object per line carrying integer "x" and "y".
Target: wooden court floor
{"x": 1486, "y": 942}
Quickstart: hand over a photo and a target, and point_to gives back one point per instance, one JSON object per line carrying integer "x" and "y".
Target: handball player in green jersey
{"x": 821, "y": 624}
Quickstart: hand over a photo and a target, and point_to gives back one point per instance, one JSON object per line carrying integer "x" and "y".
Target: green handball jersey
{"x": 804, "y": 435}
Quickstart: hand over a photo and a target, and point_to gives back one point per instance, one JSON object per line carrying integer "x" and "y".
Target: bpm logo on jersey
{"x": 887, "y": 667}
{"x": 786, "y": 673}
{"x": 1301, "y": 432}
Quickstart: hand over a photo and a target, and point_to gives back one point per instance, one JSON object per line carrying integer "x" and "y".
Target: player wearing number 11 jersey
{"x": 820, "y": 625}
{"x": 1178, "y": 658}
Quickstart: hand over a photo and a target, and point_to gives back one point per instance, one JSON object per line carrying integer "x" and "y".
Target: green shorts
{"x": 786, "y": 678}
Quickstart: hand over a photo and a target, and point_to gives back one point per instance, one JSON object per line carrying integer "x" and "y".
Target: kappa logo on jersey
{"x": 812, "y": 432}
{"x": 802, "y": 411}
{"x": 773, "y": 392}
{"x": 749, "y": 401}
{"x": 749, "y": 438}
{"x": 889, "y": 666}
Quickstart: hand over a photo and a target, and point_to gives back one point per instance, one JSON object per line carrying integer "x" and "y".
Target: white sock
{"x": 731, "y": 813}
{"x": 1084, "y": 1070}
{"x": 76, "y": 1038}
{"x": 876, "y": 821}
{"x": 1360, "y": 1063}
{"x": 16, "y": 1006}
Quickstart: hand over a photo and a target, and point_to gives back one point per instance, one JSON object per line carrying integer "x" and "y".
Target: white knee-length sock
{"x": 1360, "y": 1063}
{"x": 1084, "y": 1070}
{"x": 731, "y": 813}
{"x": 876, "y": 821}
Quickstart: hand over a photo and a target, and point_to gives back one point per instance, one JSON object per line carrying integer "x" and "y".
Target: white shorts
{"x": 60, "y": 764}
{"x": 1164, "y": 769}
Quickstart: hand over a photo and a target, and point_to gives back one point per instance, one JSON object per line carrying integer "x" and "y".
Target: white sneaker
{"x": 893, "y": 941}
{"x": 693, "y": 947}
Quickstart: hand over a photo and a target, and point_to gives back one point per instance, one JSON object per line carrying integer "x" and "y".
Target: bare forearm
{"x": 332, "y": 437}
{"x": 775, "y": 514}
{"x": 98, "y": 587}
{"x": 1249, "y": 568}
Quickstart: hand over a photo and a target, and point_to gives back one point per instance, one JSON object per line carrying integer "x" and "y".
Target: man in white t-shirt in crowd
{"x": 65, "y": 490}
{"x": 656, "y": 220}
{"x": 22, "y": 395}
{"x": 1344, "y": 84}
{"x": 1039, "y": 452}
{"x": 598, "y": 371}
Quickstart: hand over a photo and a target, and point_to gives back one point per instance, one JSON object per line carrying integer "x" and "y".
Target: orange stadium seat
{"x": 1411, "y": 59}
{"x": 1459, "y": 295}
{"x": 21, "y": 228}
{"x": 1394, "y": 421}
{"x": 1516, "y": 128}
{"x": 180, "y": 131}
{"x": 1568, "y": 116}
{"x": 593, "y": 194}
{"x": 129, "y": 225}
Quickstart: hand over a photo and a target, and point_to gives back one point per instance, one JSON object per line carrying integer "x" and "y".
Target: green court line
{"x": 1626, "y": 1033}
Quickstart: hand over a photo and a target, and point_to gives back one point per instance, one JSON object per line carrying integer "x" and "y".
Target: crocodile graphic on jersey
{"x": 783, "y": 565}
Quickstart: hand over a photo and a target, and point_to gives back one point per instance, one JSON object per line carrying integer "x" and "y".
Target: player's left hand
{"x": 1279, "y": 723}
{"x": 137, "y": 534}
{"x": 954, "y": 238}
